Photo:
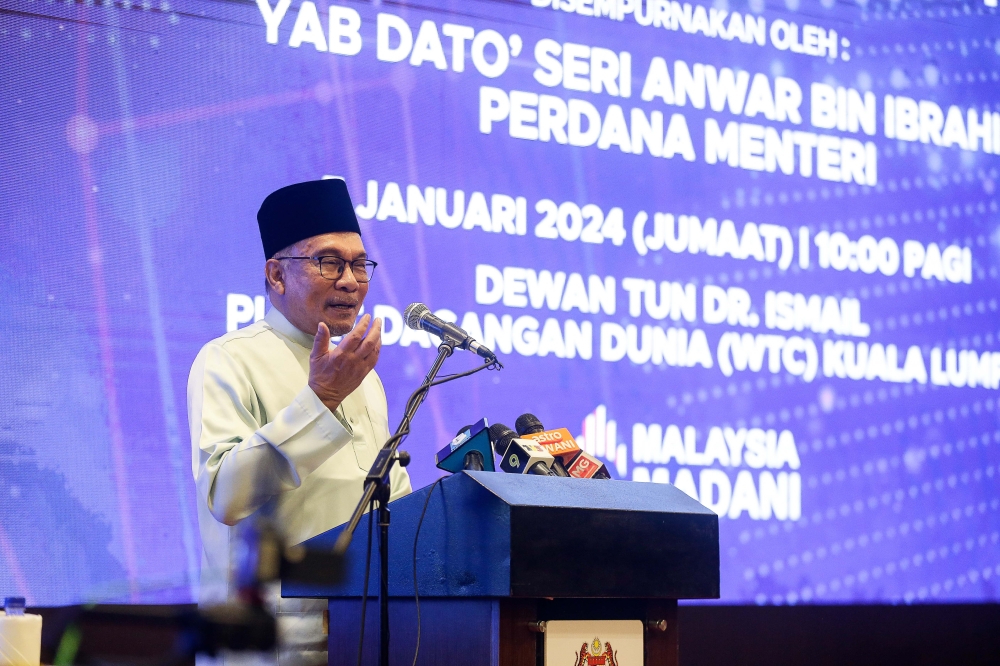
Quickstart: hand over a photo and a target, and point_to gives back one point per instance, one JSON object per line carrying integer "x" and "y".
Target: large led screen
{"x": 747, "y": 248}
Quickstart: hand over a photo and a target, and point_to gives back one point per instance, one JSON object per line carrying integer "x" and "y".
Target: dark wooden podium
{"x": 498, "y": 554}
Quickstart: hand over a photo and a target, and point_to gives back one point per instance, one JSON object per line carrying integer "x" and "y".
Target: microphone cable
{"x": 404, "y": 428}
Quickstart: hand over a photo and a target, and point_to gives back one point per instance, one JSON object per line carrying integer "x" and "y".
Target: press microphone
{"x": 419, "y": 317}
{"x": 470, "y": 450}
{"x": 586, "y": 466}
{"x": 520, "y": 456}
{"x": 568, "y": 454}
{"x": 559, "y": 443}
{"x": 501, "y": 436}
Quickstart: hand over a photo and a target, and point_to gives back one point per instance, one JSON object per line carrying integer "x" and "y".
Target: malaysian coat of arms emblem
{"x": 593, "y": 654}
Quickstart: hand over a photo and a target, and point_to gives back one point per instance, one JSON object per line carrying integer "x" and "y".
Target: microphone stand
{"x": 377, "y": 490}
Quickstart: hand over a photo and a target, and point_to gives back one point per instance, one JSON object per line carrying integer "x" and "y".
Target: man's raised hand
{"x": 335, "y": 372}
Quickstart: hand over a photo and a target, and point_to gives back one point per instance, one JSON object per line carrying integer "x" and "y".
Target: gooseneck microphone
{"x": 519, "y": 456}
{"x": 419, "y": 317}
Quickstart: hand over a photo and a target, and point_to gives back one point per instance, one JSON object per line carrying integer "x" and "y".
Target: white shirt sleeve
{"x": 241, "y": 464}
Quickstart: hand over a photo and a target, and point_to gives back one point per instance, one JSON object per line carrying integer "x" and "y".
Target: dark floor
{"x": 710, "y": 635}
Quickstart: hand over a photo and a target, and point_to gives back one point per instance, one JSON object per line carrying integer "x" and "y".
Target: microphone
{"x": 520, "y": 456}
{"x": 568, "y": 454}
{"x": 419, "y": 317}
{"x": 470, "y": 450}
{"x": 586, "y": 466}
{"x": 559, "y": 443}
{"x": 501, "y": 437}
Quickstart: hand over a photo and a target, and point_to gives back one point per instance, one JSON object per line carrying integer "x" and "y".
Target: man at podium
{"x": 283, "y": 422}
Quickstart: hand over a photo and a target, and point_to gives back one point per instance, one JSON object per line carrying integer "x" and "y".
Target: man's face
{"x": 305, "y": 297}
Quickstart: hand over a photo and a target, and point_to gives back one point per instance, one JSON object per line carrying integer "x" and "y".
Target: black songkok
{"x": 304, "y": 210}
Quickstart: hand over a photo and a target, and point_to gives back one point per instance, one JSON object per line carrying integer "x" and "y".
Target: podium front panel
{"x": 487, "y": 534}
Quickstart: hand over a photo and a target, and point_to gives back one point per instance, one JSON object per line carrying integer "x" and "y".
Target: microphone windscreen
{"x": 463, "y": 429}
{"x": 528, "y": 424}
{"x": 501, "y": 437}
{"x": 413, "y": 313}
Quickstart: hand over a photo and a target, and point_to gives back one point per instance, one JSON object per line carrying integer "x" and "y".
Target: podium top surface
{"x": 524, "y": 490}
{"x": 489, "y": 534}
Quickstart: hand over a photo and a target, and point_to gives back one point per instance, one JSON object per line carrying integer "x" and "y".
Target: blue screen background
{"x": 140, "y": 139}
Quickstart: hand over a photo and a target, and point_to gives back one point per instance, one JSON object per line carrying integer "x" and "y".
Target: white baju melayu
{"x": 263, "y": 441}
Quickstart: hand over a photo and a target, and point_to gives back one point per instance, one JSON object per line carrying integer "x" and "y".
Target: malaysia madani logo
{"x": 596, "y": 654}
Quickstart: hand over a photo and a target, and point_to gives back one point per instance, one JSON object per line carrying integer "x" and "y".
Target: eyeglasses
{"x": 332, "y": 268}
